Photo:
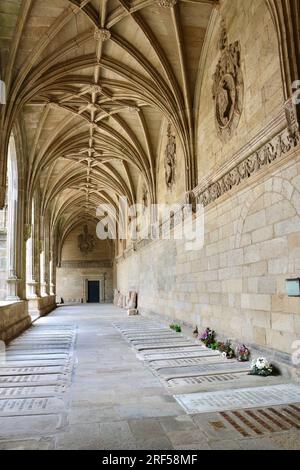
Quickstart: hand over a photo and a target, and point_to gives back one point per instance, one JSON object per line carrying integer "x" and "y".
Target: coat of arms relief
{"x": 228, "y": 87}
{"x": 86, "y": 241}
{"x": 170, "y": 159}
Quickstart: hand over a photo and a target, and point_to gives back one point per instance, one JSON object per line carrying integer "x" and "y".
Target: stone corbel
{"x": 292, "y": 120}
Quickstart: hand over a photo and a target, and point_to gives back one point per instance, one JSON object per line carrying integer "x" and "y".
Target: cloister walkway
{"x": 72, "y": 381}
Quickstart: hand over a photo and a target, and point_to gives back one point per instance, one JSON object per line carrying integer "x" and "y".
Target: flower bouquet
{"x": 226, "y": 350}
{"x": 261, "y": 366}
{"x": 242, "y": 353}
{"x": 208, "y": 337}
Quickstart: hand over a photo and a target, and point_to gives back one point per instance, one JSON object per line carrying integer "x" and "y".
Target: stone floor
{"x": 99, "y": 395}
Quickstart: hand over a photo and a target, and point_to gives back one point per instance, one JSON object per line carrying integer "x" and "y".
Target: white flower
{"x": 261, "y": 363}
{"x": 224, "y": 355}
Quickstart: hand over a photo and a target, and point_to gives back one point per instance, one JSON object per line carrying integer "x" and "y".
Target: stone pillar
{"x": 52, "y": 273}
{"x": 43, "y": 279}
{"x": 31, "y": 283}
{"x": 12, "y": 280}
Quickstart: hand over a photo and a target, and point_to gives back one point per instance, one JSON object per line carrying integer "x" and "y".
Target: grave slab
{"x": 242, "y": 398}
{"x": 31, "y": 406}
{"x": 29, "y": 392}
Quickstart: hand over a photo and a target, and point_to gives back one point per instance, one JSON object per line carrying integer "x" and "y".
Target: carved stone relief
{"x": 228, "y": 87}
{"x": 86, "y": 241}
{"x": 170, "y": 159}
{"x": 277, "y": 147}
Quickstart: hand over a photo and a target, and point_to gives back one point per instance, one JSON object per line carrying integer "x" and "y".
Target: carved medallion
{"x": 86, "y": 241}
{"x": 228, "y": 87}
{"x": 170, "y": 159}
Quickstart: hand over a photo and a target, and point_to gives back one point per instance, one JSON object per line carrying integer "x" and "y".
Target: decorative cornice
{"x": 280, "y": 145}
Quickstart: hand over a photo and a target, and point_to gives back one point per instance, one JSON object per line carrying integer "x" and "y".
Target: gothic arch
{"x": 274, "y": 185}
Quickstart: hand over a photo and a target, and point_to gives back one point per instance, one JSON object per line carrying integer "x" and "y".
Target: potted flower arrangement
{"x": 176, "y": 328}
{"x": 208, "y": 337}
{"x": 262, "y": 367}
{"x": 226, "y": 350}
{"x": 242, "y": 353}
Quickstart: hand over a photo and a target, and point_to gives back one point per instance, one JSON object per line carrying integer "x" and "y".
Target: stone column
{"x": 52, "y": 271}
{"x": 12, "y": 280}
{"x": 43, "y": 279}
{"x": 31, "y": 283}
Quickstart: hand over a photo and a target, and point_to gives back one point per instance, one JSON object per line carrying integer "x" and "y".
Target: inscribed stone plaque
{"x": 30, "y": 406}
{"x": 200, "y": 369}
{"x": 209, "y": 402}
{"x": 40, "y": 391}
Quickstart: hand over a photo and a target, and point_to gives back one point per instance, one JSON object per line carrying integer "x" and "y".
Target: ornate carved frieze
{"x": 273, "y": 150}
{"x": 228, "y": 87}
{"x": 170, "y": 158}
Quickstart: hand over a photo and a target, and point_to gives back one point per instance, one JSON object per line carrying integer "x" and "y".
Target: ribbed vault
{"x": 91, "y": 82}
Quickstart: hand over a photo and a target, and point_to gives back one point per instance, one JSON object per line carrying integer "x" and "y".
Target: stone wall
{"x": 78, "y": 267}
{"x": 14, "y": 319}
{"x": 250, "y": 24}
{"x": 71, "y": 283}
{"x": 236, "y": 283}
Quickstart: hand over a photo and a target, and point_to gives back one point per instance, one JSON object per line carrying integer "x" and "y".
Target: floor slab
{"x": 104, "y": 394}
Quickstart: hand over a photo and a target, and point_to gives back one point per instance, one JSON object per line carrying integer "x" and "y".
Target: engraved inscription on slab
{"x": 239, "y": 398}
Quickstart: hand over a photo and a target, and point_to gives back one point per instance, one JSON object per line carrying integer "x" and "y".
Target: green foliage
{"x": 176, "y": 328}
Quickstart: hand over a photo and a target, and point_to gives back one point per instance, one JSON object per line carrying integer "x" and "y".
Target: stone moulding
{"x": 86, "y": 264}
{"x": 279, "y": 146}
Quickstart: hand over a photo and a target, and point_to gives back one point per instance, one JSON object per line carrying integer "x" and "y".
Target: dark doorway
{"x": 93, "y": 292}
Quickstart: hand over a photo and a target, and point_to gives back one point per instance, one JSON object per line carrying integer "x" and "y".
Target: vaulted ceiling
{"x": 91, "y": 82}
